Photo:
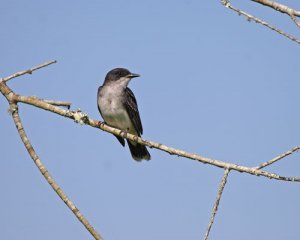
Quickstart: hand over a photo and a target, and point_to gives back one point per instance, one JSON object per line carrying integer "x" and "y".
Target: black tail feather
{"x": 121, "y": 140}
{"x": 138, "y": 151}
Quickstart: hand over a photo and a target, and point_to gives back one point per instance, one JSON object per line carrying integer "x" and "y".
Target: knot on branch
{"x": 226, "y": 3}
{"x": 13, "y": 107}
{"x": 80, "y": 117}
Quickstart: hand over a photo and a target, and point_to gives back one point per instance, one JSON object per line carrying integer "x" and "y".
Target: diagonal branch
{"x": 277, "y": 158}
{"x": 84, "y": 119}
{"x": 224, "y": 180}
{"x": 281, "y": 8}
{"x": 278, "y": 7}
{"x": 46, "y": 174}
{"x": 217, "y": 202}
{"x": 28, "y": 71}
{"x": 249, "y": 17}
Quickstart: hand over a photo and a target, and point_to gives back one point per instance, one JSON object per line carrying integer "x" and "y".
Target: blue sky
{"x": 211, "y": 83}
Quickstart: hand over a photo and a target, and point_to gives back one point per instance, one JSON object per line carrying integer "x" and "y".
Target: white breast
{"x": 112, "y": 109}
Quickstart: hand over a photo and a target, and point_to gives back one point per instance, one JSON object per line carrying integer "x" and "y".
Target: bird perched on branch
{"x": 118, "y": 107}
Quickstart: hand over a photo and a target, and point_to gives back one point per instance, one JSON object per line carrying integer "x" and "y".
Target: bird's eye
{"x": 121, "y": 74}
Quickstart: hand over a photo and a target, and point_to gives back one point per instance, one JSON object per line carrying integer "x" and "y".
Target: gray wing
{"x": 121, "y": 140}
{"x": 133, "y": 111}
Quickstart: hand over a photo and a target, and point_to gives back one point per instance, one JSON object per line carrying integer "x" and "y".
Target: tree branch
{"x": 277, "y": 158}
{"x": 281, "y": 8}
{"x": 46, "y": 174}
{"x": 28, "y": 71}
{"x": 217, "y": 202}
{"x": 224, "y": 180}
{"x": 58, "y": 103}
{"x": 250, "y": 17}
{"x": 82, "y": 118}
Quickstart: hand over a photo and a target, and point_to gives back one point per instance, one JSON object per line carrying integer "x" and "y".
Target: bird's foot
{"x": 124, "y": 133}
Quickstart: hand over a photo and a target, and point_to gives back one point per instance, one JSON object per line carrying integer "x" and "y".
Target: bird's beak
{"x": 133, "y": 75}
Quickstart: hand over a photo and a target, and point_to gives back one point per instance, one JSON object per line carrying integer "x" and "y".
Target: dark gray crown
{"x": 116, "y": 74}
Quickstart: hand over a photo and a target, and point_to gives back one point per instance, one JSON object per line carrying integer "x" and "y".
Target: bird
{"x": 118, "y": 107}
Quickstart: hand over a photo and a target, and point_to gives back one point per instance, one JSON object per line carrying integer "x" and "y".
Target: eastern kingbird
{"x": 118, "y": 107}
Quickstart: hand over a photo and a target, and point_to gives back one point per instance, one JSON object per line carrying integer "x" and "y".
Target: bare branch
{"x": 278, "y": 7}
{"x": 59, "y": 103}
{"x": 28, "y": 71}
{"x": 97, "y": 124}
{"x": 249, "y": 17}
{"x": 217, "y": 202}
{"x": 46, "y": 174}
{"x": 281, "y": 8}
{"x": 295, "y": 20}
{"x": 277, "y": 158}
{"x": 55, "y": 103}
{"x": 224, "y": 179}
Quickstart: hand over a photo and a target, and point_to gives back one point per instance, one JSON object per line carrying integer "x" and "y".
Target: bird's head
{"x": 120, "y": 76}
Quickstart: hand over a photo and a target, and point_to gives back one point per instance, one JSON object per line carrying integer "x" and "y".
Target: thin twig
{"x": 28, "y": 71}
{"x": 249, "y": 17}
{"x": 55, "y": 103}
{"x": 46, "y": 174}
{"x": 295, "y": 20}
{"x": 267, "y": 163}
{"x": 217, "y": 202}
{"x": 59, "y": 103}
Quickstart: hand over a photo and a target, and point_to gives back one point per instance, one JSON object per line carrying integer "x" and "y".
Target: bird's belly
{"x": 118, "y": 119}
{"x": 115, "y": 115}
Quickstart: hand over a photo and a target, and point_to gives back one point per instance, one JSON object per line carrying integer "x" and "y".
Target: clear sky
{"x": 211, "y": 83}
